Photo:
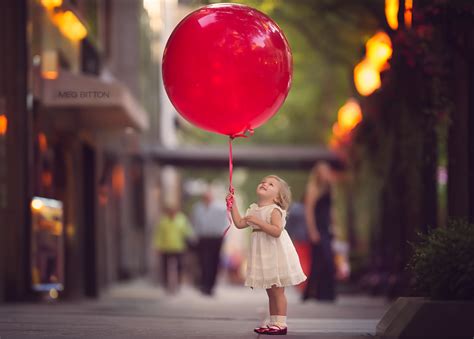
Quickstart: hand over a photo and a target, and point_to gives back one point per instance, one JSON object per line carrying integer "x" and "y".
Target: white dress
{"x": 271, "y": 261}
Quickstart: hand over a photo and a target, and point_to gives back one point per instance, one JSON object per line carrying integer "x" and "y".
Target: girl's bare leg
{"x": 281, "y": 302}
{"x": 272, "y": 305}
{"x": 277, "y": 300}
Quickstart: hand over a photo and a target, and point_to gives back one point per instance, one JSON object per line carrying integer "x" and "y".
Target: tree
{"x": 326, "y": 39}
{"x": 405, "y": 124}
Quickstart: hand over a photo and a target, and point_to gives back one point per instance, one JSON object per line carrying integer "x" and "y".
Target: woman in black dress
{"x": 321, "y": 282}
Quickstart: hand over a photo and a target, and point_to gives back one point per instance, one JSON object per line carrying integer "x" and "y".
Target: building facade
{"x": 77, "y": 196}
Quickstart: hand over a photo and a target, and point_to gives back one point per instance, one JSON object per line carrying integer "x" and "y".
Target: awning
{"x": 96, "y": 103}
{"x": 275, "y": 157}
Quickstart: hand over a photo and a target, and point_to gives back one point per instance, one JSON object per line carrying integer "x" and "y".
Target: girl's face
{"x": 268, "y": 188}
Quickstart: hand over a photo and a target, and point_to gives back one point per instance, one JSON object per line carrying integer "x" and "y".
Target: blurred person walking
{"x": 321, "y": 283}
{"x": 169, "y": 241}
{"x": 298, "y": 231}
{"x": 209, "y": 220}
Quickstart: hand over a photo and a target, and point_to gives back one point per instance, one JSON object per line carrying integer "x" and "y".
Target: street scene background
{"x": 112, "y": 205}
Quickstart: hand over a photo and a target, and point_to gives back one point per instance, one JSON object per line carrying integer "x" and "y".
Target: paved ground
{"x": 140, "y": 310}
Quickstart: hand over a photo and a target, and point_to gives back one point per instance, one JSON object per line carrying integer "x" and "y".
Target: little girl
{"x": 273, "y": 262}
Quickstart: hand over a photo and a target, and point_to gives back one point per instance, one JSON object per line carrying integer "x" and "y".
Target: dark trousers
{"x": 321, "y": 282}
{"x": 169, "y": 261}
{"x": 209, "y": 249}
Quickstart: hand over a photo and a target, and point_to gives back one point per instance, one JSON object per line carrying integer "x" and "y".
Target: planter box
{"x": 424, "y": 318}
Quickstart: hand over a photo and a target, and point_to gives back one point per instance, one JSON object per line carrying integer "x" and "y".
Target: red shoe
{"x": 276, "y": 330}
{"x": 261, "y": 329}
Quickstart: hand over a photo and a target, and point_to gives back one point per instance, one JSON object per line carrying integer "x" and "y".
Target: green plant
{"x": 443, "y": 262}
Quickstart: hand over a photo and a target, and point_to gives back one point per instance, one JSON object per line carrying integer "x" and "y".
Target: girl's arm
{"x": 274, "y": 228}
{"x": 239, "y": 222}
{"x": 309, "y": 205}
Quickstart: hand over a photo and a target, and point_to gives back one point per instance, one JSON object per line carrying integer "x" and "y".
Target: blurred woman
{"x": 321, "y": 282}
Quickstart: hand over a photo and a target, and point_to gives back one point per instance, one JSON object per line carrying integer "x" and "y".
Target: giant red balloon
{"x": 227, "y": 68}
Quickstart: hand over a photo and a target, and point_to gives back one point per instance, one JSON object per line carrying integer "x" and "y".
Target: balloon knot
{"x": 247, "y": 133}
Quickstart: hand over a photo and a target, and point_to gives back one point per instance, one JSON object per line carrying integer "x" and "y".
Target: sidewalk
{"x": 140, "y": 310}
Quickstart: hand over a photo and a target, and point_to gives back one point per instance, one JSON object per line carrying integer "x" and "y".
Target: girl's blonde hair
{"x": 284, "y": 195}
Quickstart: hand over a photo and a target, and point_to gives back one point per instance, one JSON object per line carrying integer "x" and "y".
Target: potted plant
{"x": 443, "y": 270}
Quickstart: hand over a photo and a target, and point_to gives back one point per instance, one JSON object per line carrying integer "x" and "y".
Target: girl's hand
{"x": 251, "y": 220}
{"x": 229, "y": 199}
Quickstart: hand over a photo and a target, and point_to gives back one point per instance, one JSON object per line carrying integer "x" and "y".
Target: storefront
{"x": 66, "y": 176}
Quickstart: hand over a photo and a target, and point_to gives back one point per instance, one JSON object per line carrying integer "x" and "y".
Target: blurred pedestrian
{"x": 297, "y": 229}
{"x": 209, "y": 219}
{"x": 321, "y": 283}
{"x": 170, "y": 237}
{"x": 273, "y": 262}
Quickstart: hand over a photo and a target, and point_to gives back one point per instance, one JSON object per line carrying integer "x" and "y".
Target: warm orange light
{"x": 50, "y": 4}
{"x": 334, "y": 142}
{"x": 391, "y": 13}
{"x": 366, "y": 78}
{"x": 118, "y": 179}
{"x": 49, "y": 64}
{"x": 70, "y": 230}
{"x": 3, "y": 124}
{"x": 57, "y": 229}
{"x": 349, "y": 115}
{"x": 47, "y": 179}
{"x": 42, "y": 142}
{"x": 35, "y": 275}
{"x": 337, "y": 131}
{"x": 53, "y": 293}
{"x": 70, "y": 25}
{"x": 408, "y": 13}
{"x": 36, "y": 204}
{"x": 50, "y": 75}
{"x": 379, "y": 50}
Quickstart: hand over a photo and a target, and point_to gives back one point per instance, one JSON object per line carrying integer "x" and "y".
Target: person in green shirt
{"x": 170, "y": 237}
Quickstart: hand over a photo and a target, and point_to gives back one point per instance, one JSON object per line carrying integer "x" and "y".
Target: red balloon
{"x": 227, "y": 68}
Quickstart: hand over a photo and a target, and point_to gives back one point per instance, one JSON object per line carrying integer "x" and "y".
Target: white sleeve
{"x": 282, "y": 211}
{"x": 250, "y": 209}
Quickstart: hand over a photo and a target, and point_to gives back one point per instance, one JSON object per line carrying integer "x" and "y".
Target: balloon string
{"x": 230, "y": 198}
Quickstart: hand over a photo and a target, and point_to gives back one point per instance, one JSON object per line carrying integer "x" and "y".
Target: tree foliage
{"x": 443, "y": 262}
{"x": 327, "y": 39}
